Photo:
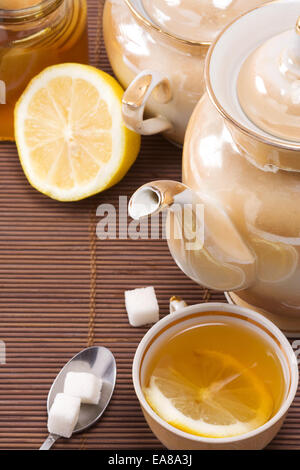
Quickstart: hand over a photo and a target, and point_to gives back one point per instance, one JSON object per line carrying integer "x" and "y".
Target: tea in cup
{"x": 214, "y": 376}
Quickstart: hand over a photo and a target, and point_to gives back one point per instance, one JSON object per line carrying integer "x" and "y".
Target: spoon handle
{"x": 51, "y": 439}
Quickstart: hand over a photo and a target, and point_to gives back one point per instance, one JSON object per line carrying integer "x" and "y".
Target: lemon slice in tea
{"x": 226, "y": 400}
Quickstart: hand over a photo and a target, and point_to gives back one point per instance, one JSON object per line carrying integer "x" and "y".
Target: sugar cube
{"x": 83, "y": 385}
{"x": 142, "y": 306}
{"x": 63, "y": 415}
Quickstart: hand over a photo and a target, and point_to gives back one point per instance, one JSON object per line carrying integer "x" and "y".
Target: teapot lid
{"x": 196, "y": 20}
{"x": 268, "y": 85}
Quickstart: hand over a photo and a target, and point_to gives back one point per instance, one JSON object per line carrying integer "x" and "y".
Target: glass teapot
{"x": 246, "y": 178}
{"x": 157, "y": 48}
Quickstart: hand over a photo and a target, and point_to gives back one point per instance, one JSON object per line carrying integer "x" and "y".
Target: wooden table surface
{"x": 61, "y": 289}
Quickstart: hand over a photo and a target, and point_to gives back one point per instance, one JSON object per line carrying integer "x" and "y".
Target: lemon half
{"x": 71, "y": 138}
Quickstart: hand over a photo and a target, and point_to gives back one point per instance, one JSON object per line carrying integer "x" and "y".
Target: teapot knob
{"x": 269, "y": 85}
{"x": 292, "y": 57}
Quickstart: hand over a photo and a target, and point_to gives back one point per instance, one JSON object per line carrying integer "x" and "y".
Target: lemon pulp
{"x": 70, "y": 135}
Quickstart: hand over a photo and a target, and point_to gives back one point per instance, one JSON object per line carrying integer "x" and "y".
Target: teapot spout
{"x": 157, "y": 196}
{"x": 202, "y": 238}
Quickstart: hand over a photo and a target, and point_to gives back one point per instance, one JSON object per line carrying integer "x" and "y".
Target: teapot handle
{"x": 135, "y": 99}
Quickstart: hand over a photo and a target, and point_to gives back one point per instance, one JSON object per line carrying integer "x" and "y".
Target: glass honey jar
{"x": 33, "y": 35}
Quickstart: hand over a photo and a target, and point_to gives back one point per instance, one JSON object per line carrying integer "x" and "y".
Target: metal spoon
{"x": 95, "y": 360}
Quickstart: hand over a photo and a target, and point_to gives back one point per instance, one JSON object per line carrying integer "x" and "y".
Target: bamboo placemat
{"x": 61, "y": 289}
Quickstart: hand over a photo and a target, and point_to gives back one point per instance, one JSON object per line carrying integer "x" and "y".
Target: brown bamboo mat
{"x": 62, "y": 289}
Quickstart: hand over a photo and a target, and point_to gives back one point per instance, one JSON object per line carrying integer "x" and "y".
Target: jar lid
{"x": 268, "y": 85}
{"x": 196, "y": 20}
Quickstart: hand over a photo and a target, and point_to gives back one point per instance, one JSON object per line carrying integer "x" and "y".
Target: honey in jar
{"x": 33, "y": 35}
